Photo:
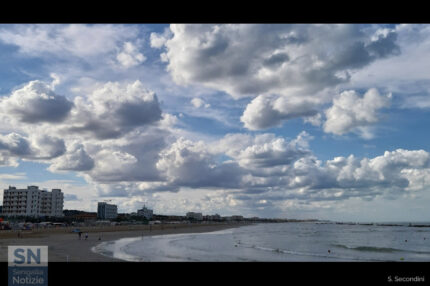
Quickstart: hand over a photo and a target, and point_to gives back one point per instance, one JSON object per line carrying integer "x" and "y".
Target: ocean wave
{"x": 368, "y": 248}
{"x": 299, "y": 253}
{"x": 380, "y": 249}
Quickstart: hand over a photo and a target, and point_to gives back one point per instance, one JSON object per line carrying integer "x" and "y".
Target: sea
{"x": 275, "y": 242}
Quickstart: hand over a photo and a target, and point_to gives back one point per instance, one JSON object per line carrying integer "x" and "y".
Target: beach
{"x": 65, "y": 246}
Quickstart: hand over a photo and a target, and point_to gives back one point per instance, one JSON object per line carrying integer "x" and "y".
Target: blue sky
{"x": 304, "y": 121}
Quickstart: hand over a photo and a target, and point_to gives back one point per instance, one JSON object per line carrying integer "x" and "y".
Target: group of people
{"x": 86, "y": 235}
{"x": 80, "y": 234}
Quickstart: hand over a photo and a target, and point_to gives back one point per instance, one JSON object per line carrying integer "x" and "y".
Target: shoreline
{"x": 65, "y": 246}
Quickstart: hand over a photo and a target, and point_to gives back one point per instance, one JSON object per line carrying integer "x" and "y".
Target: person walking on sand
{"x": 86, "y": 235}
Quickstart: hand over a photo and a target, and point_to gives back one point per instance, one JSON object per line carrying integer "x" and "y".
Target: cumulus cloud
{"x": 113, "y": 134}
{"x": 315, "y": 120}
{"x": 285, "y": 68}
{"x": 246, "y": 60}
{"x": 15, "y": 144}
{"x": 263, "y": 150}
{"x": 133, "y": 158}
{"x": 47, "y": 147}
{"x": 266, "y": 111}
{"x": 77, "y": 40}
{"x": 198, "y": 102}
{"x": 311, "y": 181}
{"x": 37, "y": 147}
{"x": 130, "y": 56}
{"x": 36, "y": 103}
{"x": 349, "y": 111}
{"x": 187, "y": 163}
{"x": 75, "y": 159}
{"x": 405, "y": 74}
{"x": 158, "y": 40}
{"x": 114, "y": 110}
{"x": 268, "y": 151}
{"x": 277, "y": 170}
{"x": 386, "y": 172}
{"x": 6, "y": 161}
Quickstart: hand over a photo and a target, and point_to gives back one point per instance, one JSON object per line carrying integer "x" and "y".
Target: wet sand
{"x": 63, "y": 245}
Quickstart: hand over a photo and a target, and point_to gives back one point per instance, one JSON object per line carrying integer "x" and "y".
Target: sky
{"x": 324, "y": 121}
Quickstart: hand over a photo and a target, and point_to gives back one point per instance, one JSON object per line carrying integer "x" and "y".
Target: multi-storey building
{"x": 194, "y": 216}
{"x": 32, "y": 202}
{"x": 147, "y": 213}
{"x": 106, "y": 211}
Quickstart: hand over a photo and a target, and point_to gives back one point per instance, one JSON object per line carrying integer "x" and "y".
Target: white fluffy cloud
{"x": 114, "y": 110}
{"x": 266, "y": 111}
{"x": 158, "y": 40}
{"x": 276, "y": 170}
{"x": 7, "y": 161}
{"x": 198, "y": 102}
{"x": 130, "y": 56}
{"x": 132, "y": 158}
{"x": 246, "y": 60}
{"x": 263, "y": 150}
{"x": 187, "y": 163}
{"x": 112, "y": 134}
{"x": 35, "y": 103}
{"x": 404, "y": 74}
{"x": 349, "y": 111}
{"x": 288, "y": 68}
{"x": 35, "y": 147}
{"x": 269, "y": 168}
{"x": 387, "y": 172}
{"x": 82, "y": 41}
{"x": 76, "y": 159}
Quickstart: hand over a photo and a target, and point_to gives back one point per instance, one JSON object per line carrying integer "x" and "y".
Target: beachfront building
{"x": 237, "y": 217}
{"x": 106, "y": 211}
{"x": 194, "y": 216}
{"x": 147, "y": 213}
{"x": 32, "y": 202}
{"x": 215, "y": 217}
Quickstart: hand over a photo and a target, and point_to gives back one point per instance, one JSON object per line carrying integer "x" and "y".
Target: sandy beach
{"x": 63, "y": 245}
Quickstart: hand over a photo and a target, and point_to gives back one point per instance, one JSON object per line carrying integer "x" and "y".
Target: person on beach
{"x": 80, "y": 233}
{"x": 86, "y": 235}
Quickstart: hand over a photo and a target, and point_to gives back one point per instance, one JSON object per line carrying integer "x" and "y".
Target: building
{"x": 147, "y": 213}
{"x": 194, "y": 216}
{"x": 215, "y": 217}
{"x": 32, "y": 202}
{"x": 236, "y": 217}
{"x": 106, "y": 211}
{"x": 80, "y": 215}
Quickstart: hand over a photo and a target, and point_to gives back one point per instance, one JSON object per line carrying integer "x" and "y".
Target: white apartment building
{"x": 32, "y": 202}
{"x": 106, "y": 211}
{"x": 147, "y": 213}
{"x": 195, "y": 216}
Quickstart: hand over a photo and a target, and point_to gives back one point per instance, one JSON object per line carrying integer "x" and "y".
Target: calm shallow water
{"x": 280, "y": 242}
